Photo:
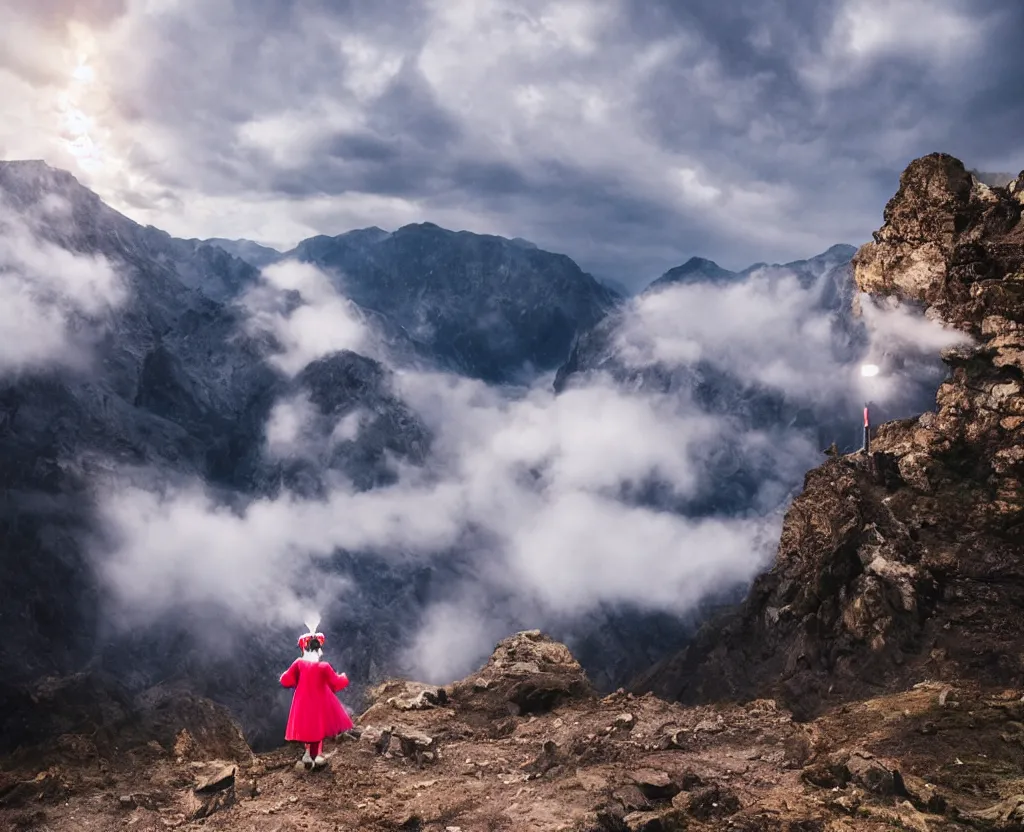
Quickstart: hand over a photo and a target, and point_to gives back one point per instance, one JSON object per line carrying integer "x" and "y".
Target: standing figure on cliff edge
{"x": 316, "y": 713}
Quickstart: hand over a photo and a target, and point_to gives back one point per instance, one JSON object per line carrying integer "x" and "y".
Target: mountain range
{"x": 869, "y": 679}
{"x": 177, "y": 384}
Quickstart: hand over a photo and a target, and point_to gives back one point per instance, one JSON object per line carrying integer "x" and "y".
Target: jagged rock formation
{"x": 524, "y": 745}
{"x": 907, "y": 564}
{"x": 492, "y": 308}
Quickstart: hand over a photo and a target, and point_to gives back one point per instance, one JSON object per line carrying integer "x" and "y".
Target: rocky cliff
{"x": 906, "y": 564}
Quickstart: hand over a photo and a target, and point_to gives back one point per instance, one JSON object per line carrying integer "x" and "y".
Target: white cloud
{"x": 320, "y": 323}
{"x": 179, "y": 549}
{"x": 288, "y": 426}
{"x": 51, "y": 300}
{"x": 348, "y": 428}
{"x": 938, "y": 35}
{"x": 694, "y": 147}
{"x": 899, "y": 333}
{"x": 768, "y": 329}
{"x": 527, "y": 486}
{"x": 765, "y": 329}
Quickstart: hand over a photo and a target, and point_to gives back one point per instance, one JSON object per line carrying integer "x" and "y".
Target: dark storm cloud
{"x": 630, "y": 135}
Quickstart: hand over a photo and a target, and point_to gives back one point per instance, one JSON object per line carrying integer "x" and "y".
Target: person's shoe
{"x": 307, "y": 761}
{"x": 320, "y": 760}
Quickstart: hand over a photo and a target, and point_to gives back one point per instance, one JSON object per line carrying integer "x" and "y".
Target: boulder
{"x": 654, "y": 784}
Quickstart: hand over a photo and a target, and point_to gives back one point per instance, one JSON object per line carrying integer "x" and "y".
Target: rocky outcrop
{"x": 907, "y": 564}
{"x": 458, "y": 758}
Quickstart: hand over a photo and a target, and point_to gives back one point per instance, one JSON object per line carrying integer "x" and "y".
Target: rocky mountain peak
{"x": 484, "y": 305}
{"x": 36, "y": 176}
{"x": 950, "y": 243}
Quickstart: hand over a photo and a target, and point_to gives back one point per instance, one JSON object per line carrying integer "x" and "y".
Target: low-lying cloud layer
{"x": 771, "y": 330}
{"x": 52, "y": 301}
{"x": 539, "y": 498}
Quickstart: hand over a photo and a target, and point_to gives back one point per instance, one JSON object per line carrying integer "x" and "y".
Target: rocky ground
{"x": 524, "y": 744}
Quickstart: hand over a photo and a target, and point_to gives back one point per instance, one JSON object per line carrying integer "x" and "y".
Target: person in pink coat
{"x": 316, "y": 713}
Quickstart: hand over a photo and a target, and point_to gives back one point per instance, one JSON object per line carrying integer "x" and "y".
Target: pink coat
{"x": 316, "y": 712}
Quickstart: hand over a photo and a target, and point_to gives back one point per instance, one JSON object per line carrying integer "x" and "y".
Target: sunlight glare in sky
{"x": 77, "y": 127}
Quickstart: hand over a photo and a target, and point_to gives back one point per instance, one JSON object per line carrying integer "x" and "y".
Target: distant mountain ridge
{"x": 252, "y": 253}
{"x": 701, "y": 270}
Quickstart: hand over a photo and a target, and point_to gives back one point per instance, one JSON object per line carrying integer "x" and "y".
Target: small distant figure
{"x": 316, "y": 713}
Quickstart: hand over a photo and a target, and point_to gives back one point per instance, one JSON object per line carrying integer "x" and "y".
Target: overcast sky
{"x": 629, "y": 134}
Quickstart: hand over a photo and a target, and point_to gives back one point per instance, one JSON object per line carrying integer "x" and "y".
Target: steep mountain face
{"x": 907, "y": 564}
{"x": 491, "y": 308}
{"x": 157, "y": 392}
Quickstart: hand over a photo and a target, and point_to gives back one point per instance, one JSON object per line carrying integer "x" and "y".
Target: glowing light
{"x": 79, "y": 129}
{"x": 84, "y": 73}
{"x": 869, "y": 370}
